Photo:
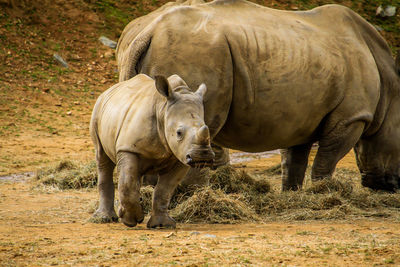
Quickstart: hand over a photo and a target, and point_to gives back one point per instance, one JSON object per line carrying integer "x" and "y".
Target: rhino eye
{"x": 179, "y": 134}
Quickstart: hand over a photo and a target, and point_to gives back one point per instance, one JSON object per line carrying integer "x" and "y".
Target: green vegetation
{"x": 115, "y": 16}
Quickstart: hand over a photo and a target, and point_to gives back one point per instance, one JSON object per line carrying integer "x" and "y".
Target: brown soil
{"x": 49, "y": 227}
{"x": 44, "y": 116}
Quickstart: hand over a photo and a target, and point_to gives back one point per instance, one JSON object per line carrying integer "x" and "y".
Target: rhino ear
{"x": 201, "y": 91}
{"x": 163, "y": 86}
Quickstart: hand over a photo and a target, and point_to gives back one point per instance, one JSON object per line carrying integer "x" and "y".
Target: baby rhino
{"x": 147, "y": 126}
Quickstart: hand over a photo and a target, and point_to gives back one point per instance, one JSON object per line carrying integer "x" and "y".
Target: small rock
{"x": 69, "y": 113}
{"x": 379, "y": 29}
{"x": 170, "y": 235}
{"x": 46, "y": 90}
{"x": 75, "y": 57}
{"x": 91, "y": 93}
{"x": 60, "y": 60}
{"x": 76, "y": 103}
{"x": 388, "y": 11}
{"x": 110, "y": 43}
{"x": 194, "y": 233}
{"x": 209, "y": 236}
{"x": 58, "y": 104}
{"x": 108, "y": 54}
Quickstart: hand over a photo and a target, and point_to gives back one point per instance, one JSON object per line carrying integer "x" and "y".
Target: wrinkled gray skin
{"x": 147, "y": 127}
{"x": 283, "y": 79}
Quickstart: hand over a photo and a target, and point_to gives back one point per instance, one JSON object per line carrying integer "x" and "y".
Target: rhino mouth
{"x": 200, "y": 162}
{"x": 200, "y": 157}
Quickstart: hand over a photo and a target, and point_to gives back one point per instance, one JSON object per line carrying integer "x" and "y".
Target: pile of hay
{"x": 229, "y": 195}
{"x": 209, "y": 205}
{"x": 253, "y": 199}
{"x": 69, "y": 175}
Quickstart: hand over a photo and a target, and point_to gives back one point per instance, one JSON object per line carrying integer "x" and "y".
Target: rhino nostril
{"x": 189, "y": 158}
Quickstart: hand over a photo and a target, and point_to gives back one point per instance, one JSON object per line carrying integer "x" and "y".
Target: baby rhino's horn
{"x": 203, "y": 135}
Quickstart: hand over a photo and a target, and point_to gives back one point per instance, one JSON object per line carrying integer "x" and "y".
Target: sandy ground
{"x": 41, "y": 226}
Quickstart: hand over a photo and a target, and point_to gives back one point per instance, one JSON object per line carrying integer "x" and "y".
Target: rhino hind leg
{"x": 162, "y": 194}
{"x": 105, "y": 168}
{"x": 333, "y": 147}
{"x": 294, "y": 162}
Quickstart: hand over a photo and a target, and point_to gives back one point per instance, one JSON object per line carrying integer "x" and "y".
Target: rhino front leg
{"x": 333, "y": 147}
{"x": 294, "y": 162}
{"x": 130, "y": 211}
{"x": 162, "y": 195}
{"x": 105, "y": 167}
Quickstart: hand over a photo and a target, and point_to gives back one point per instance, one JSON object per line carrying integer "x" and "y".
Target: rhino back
{"x": 122, "y": 115}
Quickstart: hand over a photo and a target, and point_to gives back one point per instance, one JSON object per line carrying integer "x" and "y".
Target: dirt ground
{"x": 41, "y": 226}
{"x": 44, "y": 226}
{"x": 44, "y": 116}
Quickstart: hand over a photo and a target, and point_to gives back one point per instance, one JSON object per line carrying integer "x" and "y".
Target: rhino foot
{"x": 161, "y": 221}
{"x": 104, "y": 217}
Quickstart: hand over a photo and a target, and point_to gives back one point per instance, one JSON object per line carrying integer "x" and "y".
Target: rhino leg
{"x": 162, "y": 195}
{"x": 294, "y": 162}
{"x": 105, "y": 167}
{"x": 130, "y": 211}
{"x": 333, "y": 147}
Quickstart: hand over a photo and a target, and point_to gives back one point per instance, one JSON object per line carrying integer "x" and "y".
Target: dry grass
{"x": 69, "y": 175}
{"x": 209, "y": 205}
{"x": 147, "y": 194}
{"x": 231, "y": 196}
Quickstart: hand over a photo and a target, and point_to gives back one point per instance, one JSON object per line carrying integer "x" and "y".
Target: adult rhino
{"x": 283, "y": 79}
{"x": 146, "y": 126}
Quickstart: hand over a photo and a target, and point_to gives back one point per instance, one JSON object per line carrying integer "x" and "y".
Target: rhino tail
{"x": 131, "y": 60}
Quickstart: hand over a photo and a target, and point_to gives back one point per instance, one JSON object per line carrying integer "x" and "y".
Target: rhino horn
{"x": 203, "y": 135}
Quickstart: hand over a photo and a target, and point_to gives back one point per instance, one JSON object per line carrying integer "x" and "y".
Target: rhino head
{"x": 185, "y": 131}
{"x": 378, "y": 155}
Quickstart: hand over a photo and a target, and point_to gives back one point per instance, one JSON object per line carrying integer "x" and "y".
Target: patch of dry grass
{"x": 209, "y": 205}
{"x": 231, "y": 196}
{"x": 69, "y": 174}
